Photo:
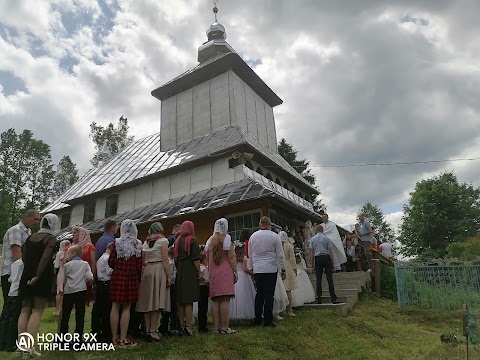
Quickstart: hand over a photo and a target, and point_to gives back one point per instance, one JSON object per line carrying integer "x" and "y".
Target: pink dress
{"x": 220, "y": 277}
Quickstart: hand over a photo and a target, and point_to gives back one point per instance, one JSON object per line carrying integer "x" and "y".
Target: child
{"x": 170, "y": 317}
{"x": 12, "y": 309}
{"x": 58, "y": 266}
{"x": 280, "y": 298}
{"x": 304, "y": 293}
{"x": 204, "y": 289}
{"x": 77, "y": 273}
{"x": 103, "y": 306}
{"x": 242, "y": 306}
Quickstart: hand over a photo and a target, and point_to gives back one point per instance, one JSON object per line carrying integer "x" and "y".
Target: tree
{"x": 440, "y": 212}
{"x": 65, "y": 176}
{"x": 109, "y": 139}
{"x": 288, "y": 152}
{"x": 375, "y": 215}
{"x": 467, "y": 250}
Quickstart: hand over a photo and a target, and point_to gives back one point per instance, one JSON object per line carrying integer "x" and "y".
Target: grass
{"x": 375, "y": 329}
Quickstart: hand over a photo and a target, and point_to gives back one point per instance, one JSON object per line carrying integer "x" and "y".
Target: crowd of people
{"x": 159, "y": 285}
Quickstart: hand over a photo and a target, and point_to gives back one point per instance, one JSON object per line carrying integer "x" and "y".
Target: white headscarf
{"x": 221, "y": 226}
{"x": 283, "y": 236}
{"x": 64, "y": 244}
{"x": 127, "y": 245}
{"x": 52, "y": 221}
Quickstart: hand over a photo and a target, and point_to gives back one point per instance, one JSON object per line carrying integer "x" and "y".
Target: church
{"x": 215, "y": 156}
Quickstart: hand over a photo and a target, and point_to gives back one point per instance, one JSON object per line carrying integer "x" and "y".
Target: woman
{"x": 222, "y": 270}
{"x": 290, "y": 280}
{"x": 155, "y": 285}
{"x": 126, "y": 262}
{"x": 81, "y": 237}
{"x": 37, "y": 277}
{"x": 187, "y": 259}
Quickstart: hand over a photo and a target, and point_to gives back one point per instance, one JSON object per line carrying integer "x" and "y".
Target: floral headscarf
{"x": 64, "y": 244}
{"x": 187, "y": 229}
{"x": 155, "y": 231}
{"x": 83, "y": 236}
{"x": 127, "y": 245}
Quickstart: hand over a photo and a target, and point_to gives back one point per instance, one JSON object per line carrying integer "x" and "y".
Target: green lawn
{"x": 375, "y": 329}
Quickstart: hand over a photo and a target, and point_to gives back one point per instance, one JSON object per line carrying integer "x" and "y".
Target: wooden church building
{"x": 215, "y": 156}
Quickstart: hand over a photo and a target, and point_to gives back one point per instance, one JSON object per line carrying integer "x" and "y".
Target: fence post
{"x": 375, "y": 264}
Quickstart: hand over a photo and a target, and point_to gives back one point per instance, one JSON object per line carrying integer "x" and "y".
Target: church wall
{"x": 126, "y": 200}
{"x": 77, "y": 214}
{"x": 143, "y": 195}
{"x": 100, "y": 208}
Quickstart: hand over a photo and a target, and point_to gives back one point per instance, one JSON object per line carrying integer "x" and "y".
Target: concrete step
{"x": 337, "y": 286}
{"x": 342, "y": 292}
{"x": 339, "y": 309}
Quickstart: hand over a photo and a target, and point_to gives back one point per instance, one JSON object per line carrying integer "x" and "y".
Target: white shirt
{"x": 204, "y": 273}
{"x": 386, "y": 249}
{"x": 265, "y": 252}
{"x": 103, "y": 270}
{"x": 16, "y": 235}
{"x": 77, "y": 273}
{"x": 15, "y": 276}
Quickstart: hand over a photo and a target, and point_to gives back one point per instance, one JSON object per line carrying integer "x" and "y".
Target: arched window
{"x": 300, "y": 194}
{"x": 285, "y": 185}
{"x": 259, "y": 170}
{"x": 307, "y": 198}
{"x": 277, "y": 180}
{"x": 249, "y": 165}
{"x": 293, "y": 191}
{"x": 269, "y": 177}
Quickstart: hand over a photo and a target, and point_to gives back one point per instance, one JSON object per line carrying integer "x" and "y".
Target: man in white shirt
{"x": 386, "y": 249}
{"x": 266, "y": 258}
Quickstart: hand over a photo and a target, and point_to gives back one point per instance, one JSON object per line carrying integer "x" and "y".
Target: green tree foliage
{"x": 66, "y": 175}
{"x": 26, "y": 176}
{"x": 288, "y": 152}
{"x": 440, "y": 212}
{"x": 375, "y": 215}
{"x": 113, "y": 138}
{"x": 467, "y": 250}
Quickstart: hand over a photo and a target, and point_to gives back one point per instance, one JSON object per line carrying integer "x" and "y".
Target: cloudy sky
{"x": 362, "y": 81}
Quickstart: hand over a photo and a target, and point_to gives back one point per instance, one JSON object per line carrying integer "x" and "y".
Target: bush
{"x": 388, "y": 282}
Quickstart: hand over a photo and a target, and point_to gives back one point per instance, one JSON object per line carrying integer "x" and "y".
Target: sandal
{"x": 187, "y": 330}
{"x": 228, "y": 331}
{"x": 127, "y": 343}
{"x": 154, "y": 336}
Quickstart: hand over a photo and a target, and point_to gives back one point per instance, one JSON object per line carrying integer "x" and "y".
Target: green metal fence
{"x": 442, "y": 287}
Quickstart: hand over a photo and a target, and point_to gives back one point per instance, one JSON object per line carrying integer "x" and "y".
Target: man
{"x": 366, "y": 237}
{"x": 386, "y": 249}
{"x": 174, "y": 235}
{"x": 110, "y": 228}
{"x": 13, "y": 240}
{"x": 266, "y": 257}
{"x": 330, "y": 230}
{"x": 321, "y": 253}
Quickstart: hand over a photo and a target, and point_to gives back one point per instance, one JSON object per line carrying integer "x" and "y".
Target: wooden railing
{"x": 377, "y": 258}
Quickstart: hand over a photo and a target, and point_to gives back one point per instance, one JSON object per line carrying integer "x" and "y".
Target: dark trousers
{"x": 264, "y": 297}
{"x": 203, "y": 307}
{"x": 8, "y": 326}
{"x": 5, "y": 289}
{"x": 323, "y": 262}
{"x": 69, "y": 300}
{"x": 170, "y": 317}
{"x": 101, "y": 311}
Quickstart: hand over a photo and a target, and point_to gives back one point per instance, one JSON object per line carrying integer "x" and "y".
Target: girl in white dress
{"x": 58, "y": 265}
{"x": 242, "y": 306}
{"x": 304, "y": 293}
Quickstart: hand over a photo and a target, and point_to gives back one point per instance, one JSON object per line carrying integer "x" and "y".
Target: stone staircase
{"x": 347, "y": 287}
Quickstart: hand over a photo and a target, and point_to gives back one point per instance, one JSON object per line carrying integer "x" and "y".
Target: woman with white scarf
{"x": 37, "y": 277}
{"x": 126, "y": 262}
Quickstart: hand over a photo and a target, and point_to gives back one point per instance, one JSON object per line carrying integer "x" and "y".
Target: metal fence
{"x": 442, "y": 287}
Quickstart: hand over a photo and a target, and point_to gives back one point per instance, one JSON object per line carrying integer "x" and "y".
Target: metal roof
{"x": 254, "y": 186}
{"x": 144, "y": 158}
{"x": 214, "y": 67}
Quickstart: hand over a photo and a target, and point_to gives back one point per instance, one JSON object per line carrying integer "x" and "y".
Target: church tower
{"x": 221, "y": 91}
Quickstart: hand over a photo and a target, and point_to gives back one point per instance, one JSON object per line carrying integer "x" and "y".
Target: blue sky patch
{"x": 11, "y": 84}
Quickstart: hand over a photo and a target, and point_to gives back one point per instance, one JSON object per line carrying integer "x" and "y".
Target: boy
{"x": 77, "y": 273}
{"x": 13, "y": 307}
{"x": 172, "y": 315}
{"x": 103, "y": 305}
{"x": 204, "y": 289}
